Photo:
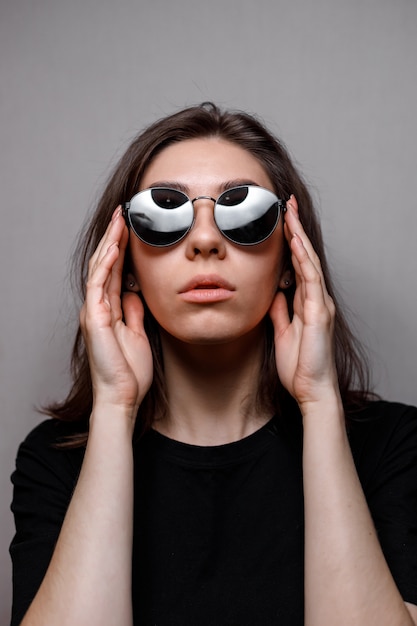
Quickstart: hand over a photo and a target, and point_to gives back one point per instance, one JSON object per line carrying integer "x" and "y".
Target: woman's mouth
{"x": 207, "y": 288}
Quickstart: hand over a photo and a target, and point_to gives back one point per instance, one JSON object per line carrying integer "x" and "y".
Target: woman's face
{"x": 206, "y": 289}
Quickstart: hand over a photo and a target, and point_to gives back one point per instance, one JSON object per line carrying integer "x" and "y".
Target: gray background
{"x": 336, "y": 79}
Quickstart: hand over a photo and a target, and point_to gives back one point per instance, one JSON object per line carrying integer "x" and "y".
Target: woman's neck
{"x": 212, "y": 390}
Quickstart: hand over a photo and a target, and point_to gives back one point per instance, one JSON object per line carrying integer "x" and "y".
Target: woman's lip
{"x": 206, "y": 288}
{"x": 207, "y": 282}
{"x": 208, "y": 295}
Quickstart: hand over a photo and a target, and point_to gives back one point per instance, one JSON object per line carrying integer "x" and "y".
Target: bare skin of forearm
{"x": 89, "y": 578}
{"x": 347, "y": 580}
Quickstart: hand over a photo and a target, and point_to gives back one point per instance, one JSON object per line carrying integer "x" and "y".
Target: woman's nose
{"x": 204, "y": 237}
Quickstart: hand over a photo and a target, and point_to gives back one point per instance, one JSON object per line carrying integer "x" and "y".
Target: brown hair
{"x": 207, "y": 120}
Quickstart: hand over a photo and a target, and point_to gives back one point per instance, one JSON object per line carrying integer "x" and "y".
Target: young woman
{"x": 219, "y": 459}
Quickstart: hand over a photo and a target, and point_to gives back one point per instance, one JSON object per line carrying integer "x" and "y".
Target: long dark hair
{"x": 207, "y": 120}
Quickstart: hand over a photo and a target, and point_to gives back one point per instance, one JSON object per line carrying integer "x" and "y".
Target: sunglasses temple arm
{"x": 125, "y": 209}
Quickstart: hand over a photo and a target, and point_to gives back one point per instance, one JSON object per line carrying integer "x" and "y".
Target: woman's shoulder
{"x": 383, "y": 430}
{"x": 381, "y": 414}
{"x": 53, "y": 431}
{"x": 48, "y": 445}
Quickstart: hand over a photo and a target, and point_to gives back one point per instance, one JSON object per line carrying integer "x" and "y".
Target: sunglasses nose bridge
{"x": 203, "y": 198}
{"x": 204, "y": 220}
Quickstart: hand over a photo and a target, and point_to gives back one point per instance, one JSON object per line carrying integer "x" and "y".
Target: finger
{"x": 97, "y": 303}
{"x": 308, "y": 276}
{"x": 102, "y": 242}
{"x": 117, "y": 269}
{"x": 109, "y": 225}
{"x": 113, "y": 286}
{"x": 112, "y": 235}
{"x": 108, "y": 255}
{"x": 294, "y": 227}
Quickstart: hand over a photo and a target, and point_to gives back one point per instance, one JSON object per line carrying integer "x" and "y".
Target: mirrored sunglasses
{"x": 246, "y": 215}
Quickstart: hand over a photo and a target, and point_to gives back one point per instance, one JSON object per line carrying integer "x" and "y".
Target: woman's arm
{"x": 88, "y": 580}
{"x": 347, "y": 580}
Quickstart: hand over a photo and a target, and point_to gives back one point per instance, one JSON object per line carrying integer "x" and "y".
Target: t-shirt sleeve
{"x": 386, "y": 456}
{"x": 43, "y": 483}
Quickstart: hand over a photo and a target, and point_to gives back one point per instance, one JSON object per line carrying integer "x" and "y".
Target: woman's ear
{"x": 131, "y": 284}
{"x": 286, "y": 279}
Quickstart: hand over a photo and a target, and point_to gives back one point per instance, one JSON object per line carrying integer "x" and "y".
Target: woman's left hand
{"x": 304, "y": 346}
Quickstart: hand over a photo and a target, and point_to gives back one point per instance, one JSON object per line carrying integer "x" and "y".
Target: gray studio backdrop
{"x": 336, "y": 79}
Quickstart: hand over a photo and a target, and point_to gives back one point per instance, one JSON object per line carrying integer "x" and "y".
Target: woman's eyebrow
{"x": 237, "y": 182}
{"x": 229, "y": 184}
{"x": 169, "y": 184}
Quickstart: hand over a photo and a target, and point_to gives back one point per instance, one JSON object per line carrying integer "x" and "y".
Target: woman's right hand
{"x": 118, "y": 349}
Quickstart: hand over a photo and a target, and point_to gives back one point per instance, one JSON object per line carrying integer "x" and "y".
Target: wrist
{"x": 327, "y": 406}
{"x": 324, "y": 426}
{"x": 116, "y": 419}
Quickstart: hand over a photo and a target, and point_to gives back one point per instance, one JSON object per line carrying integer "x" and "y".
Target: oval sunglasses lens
{"x": 247, "y": 215}
{"x": 161, "y": 217}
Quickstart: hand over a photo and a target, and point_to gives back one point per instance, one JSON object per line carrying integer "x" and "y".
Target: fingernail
{"x": 298, "y": 240}
{"x": 116, "y": 214}
{"x": 115, "y": 244}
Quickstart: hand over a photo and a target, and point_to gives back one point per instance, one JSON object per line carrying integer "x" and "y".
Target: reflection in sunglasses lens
{"x": 231, "y": 197}
{"x": 168, "y": 198}
{"x": 246, "y": 215}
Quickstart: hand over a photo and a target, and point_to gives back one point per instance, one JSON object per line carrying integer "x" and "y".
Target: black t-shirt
{"x": 219, "y": 531}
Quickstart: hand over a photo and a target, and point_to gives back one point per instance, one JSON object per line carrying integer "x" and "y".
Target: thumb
{"x": 133, "y": 312}
{"x": 279, "y": 314}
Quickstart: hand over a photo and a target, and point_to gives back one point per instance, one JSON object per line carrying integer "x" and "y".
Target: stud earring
{"x": 131, "y": 284}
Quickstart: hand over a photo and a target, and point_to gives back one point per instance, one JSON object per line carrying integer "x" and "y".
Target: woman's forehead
{"x": 208, "y": 160}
